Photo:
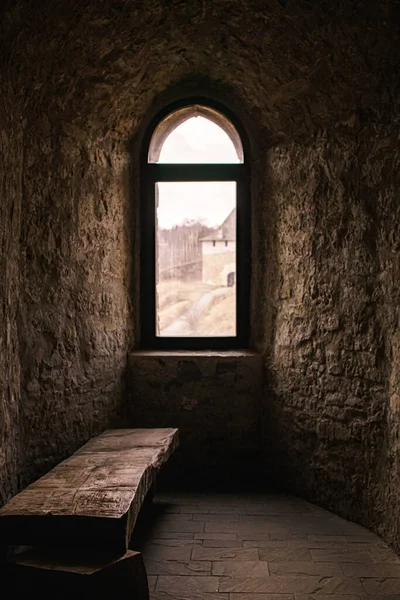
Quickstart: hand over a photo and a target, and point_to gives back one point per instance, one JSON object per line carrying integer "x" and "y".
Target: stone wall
{"x": 73, "y": 318}
{"x": 215, "y": 266}
{"x": 65, "y": 324}
{"x": 331, "y": 409}
{"x": 11, "y": 161}
{"x": 213, "y": 400}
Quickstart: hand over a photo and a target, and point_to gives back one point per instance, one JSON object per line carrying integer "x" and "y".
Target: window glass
{"x": 198, "y": 140}
{"x": 195, "y": 212}
{"x": 195, "y": 134}
{"x": 195, "y": 258}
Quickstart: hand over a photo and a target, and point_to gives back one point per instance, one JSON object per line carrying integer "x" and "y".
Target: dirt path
{"x": 186, "y": 323}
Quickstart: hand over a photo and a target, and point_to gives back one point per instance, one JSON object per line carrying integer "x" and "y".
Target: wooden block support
{"x": 49, "y": 573}
{"x": 93, "y": 498}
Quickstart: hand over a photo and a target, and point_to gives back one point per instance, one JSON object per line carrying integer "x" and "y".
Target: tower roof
{"x": 225, "y": 232}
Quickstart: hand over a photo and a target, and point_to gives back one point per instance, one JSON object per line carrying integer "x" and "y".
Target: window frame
{"x": 151, "y": 173}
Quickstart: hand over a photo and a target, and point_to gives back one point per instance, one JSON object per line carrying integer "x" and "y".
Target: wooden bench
{"x": 89, "y": 501}
{"x": 92, "y": 498}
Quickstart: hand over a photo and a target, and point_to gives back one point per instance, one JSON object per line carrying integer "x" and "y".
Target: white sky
{"x": 202, "y": 141}
{"x": 198, "y": 140}
{"x": 208, "y": 201}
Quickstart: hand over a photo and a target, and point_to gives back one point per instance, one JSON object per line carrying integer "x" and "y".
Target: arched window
{"x": 195, "y": 232}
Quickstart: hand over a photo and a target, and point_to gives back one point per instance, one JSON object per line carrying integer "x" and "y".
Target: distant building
{"x": 219, "y": 254}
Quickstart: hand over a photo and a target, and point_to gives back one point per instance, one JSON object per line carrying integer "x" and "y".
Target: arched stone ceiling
{"x": 300, "y": 64}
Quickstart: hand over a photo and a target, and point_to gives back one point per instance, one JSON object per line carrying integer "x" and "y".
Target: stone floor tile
{"x": 386, "y": 597}
{"x": 231, "y": 517}
{"x": 318, "y": 527}
{"x": 180, "y": 508}
{"x": 279, "y": 508}
{"x": 285, "y": 554}
{"x": 221, "y": 544}
{"x": 268, "y": 511}
{"x": 332, "y": 525}
{"x": 175, "y": 542}
{"x": 277, "y": 520}
{"x": 357, "y": 533}
{"x": 314, "y": 518}
{"x": 174, "y": 535}
{"x": 382, "y": 586}
{"x": 206, "y": 499}
{"x": 177, "y": 567}
{"x": 180, "y": 526}
{"x": 328, "y": 555}
{"x": 274, "y": 584}
{"x": 190, "y": 595}
{"x": 340, "y": 585}
{"x": 262, "y": 543}
{"x": 244, "y": 528}
{"x": 227, "y": 510}
{"x": 326, "y": 538}
{"x": 275, "y": 510}
{"x": 215, "y": 536}
{"x": 374, "y": 570}
{"x": 251, "y": 535}
{"x": 381, "y": 553}
{"x": 329, "y": 569}
{"x": 318, "y": 596}
{"x": 337, "y": 546}
{"x": 194, "y": 510}
{"x": 263, "y": 547}
{"x": 261, "y": 597}
{"x": 152, "y": 580}
{"x": 177, "y": 517}
{"x": 237, "y": 554}
{"x": 293, "y": 584}
{"x": 287, "y": 505}
{"x": 158, "y": 552}
{"x": 287, "y": 534}
{"x": 245, "y": 568}
{"x": 174, "y": 585}
{"x": 366, "y": 538}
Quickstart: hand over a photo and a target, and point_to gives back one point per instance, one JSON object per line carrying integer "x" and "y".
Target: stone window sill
{"x": 218, "y": 354}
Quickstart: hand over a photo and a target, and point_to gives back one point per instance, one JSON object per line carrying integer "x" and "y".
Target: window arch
{"x": 195, "y": 231}
{"x": 208, "y": 121}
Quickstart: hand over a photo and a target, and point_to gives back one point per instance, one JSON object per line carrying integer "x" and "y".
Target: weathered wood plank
{"x": 94, "y": 496}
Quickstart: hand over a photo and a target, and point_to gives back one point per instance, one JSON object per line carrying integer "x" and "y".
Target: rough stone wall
{"x": 65, "y": 268}
{"x": 73, "y": 319}
{"x": 11, "y": 158}
{"x": 215, "y": 267}
{"x": 332, "y": 405}
{"x": 215, "y": 403}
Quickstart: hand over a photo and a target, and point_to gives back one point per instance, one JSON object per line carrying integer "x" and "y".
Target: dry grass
{"x": 176, "y": 297}
{"x": 220, "y": 319}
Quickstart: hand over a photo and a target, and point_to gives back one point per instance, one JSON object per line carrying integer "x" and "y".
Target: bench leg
{"x": 129, "y": 579}
{"x": 72, "y": 575}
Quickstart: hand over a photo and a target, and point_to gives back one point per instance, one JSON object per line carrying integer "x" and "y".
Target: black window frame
{"x": 150, "y": 174}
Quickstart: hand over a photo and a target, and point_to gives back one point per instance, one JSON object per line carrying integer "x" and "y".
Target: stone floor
{"x": 261, "y": 547}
